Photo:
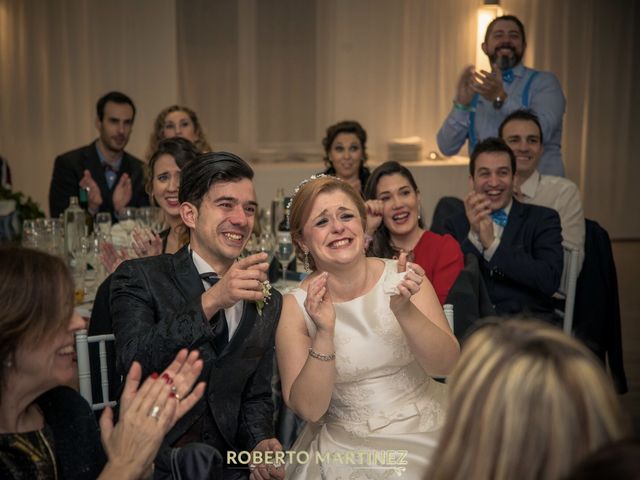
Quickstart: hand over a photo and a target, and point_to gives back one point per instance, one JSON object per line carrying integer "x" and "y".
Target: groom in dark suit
{"x": 204, "y": 298}
{"x": 519, "y": 246}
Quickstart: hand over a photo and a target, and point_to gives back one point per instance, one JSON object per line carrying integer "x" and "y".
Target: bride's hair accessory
{"x": 304, "y": 182}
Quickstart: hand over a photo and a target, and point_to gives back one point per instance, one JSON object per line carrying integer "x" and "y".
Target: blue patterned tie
{"x": 507, "y": 76}
{"x": 499, "y": 217}
{"x": 220, "y": 327}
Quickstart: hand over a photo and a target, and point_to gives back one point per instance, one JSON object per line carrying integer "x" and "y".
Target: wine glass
{"x": 251, "y": 246}
{"x": 157, "y": 219}
{"x": 127, "y": 219}
{"x": 103, "y": 223}
{"x": 146, "y": 216}
{"x": 29, "y": 234}
{"x": 258, "y": 244}
{"x": 284, "y": 252}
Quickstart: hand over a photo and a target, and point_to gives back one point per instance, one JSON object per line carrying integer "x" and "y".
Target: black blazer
{"x": 597, "y": 308}
{"x": 469, "y": 298}
{"x": 69, "y": 169}
{"x": 156, "y": 311}
{"x": 525, "y": 270}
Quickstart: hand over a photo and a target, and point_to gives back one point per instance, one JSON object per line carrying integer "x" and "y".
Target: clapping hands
{"x": 149, "y": 412}
{"x": 318, "y": 303}
{"x": 477, "y": 207}
{"x": 487, "y": 84}
{"x": 93, "y": 191}
{"x": 146, "y": 243}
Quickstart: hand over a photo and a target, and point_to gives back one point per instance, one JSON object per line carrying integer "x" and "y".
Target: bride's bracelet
{"x": 321, "y": 356}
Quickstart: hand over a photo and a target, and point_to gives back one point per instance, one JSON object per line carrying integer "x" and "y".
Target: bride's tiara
{"x": 315, "y": 176}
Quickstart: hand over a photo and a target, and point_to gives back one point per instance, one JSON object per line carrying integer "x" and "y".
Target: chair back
{"x": 567, "y": 288}
{"x": 84, "y": 367}
{"x": 445, "y": 208}
{"x": 448, "y": 312}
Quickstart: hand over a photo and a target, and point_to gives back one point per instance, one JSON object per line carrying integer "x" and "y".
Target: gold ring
{"x": 155, "y": 412}
{"x": 176, "y": 395}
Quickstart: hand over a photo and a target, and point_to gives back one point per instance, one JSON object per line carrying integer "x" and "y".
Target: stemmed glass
{"x": 263, "y": 243}
{"x": 284, "y": 252}
{"x": 29, "y": 234}
{"x": 157, "y": 219}
{"x": 145, "y": 217}
{"x": 103, "y": 223}
{"x": 127, "y": 219}
{"x": 267, "y": 244}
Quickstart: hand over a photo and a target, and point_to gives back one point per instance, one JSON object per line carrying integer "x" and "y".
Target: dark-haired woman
{"x": 395, "y": 225}
{"x": 162, "y": 185}
{"x": 345, "y": 147}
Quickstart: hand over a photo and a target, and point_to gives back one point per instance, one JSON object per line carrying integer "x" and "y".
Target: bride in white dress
{"x": 356, "y": 345}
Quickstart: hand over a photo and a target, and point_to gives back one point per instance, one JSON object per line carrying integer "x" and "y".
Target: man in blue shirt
{"x": 518, "y": 245}
{"x": 484, "y": 99}
{"x": 112, "y": 178}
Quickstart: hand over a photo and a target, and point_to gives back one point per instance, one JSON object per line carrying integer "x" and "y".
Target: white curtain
{"x": 58, "y": 57}
{"x": 268, "y": 76}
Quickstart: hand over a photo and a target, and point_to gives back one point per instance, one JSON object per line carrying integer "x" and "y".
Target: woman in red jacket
{"x": 394, "y": 225}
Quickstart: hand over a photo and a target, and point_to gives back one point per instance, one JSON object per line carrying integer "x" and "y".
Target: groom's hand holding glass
{"x": 242, "y": 281}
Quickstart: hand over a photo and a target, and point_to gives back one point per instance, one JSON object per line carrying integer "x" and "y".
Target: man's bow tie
{"x": 500, "y": 217}
{"x": 210, "y": 277}
{"x": 507, "y": 75}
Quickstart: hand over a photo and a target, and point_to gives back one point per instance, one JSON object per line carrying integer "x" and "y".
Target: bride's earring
{"x": 305, "y": 261}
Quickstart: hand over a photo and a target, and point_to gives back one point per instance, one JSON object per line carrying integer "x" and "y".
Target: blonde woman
{"x": 526, "y": 402}
{"x": 178, "y": 121}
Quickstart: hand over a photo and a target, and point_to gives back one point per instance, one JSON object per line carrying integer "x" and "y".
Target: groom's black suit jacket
{"x": 156, "y": 311}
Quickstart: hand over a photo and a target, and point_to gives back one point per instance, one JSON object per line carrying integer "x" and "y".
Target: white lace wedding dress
{"x": 385, "y": 412}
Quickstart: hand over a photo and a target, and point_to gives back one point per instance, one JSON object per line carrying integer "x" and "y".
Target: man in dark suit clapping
{"x": 203, "y": 297}
{"x": 112, "y": 178}
{"x": 519, "y": 246}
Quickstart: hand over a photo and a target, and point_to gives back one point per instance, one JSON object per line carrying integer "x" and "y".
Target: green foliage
{"x": 27, "y": 209}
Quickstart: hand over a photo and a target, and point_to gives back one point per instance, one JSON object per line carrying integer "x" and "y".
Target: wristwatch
{"x": 498, "y": 102}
